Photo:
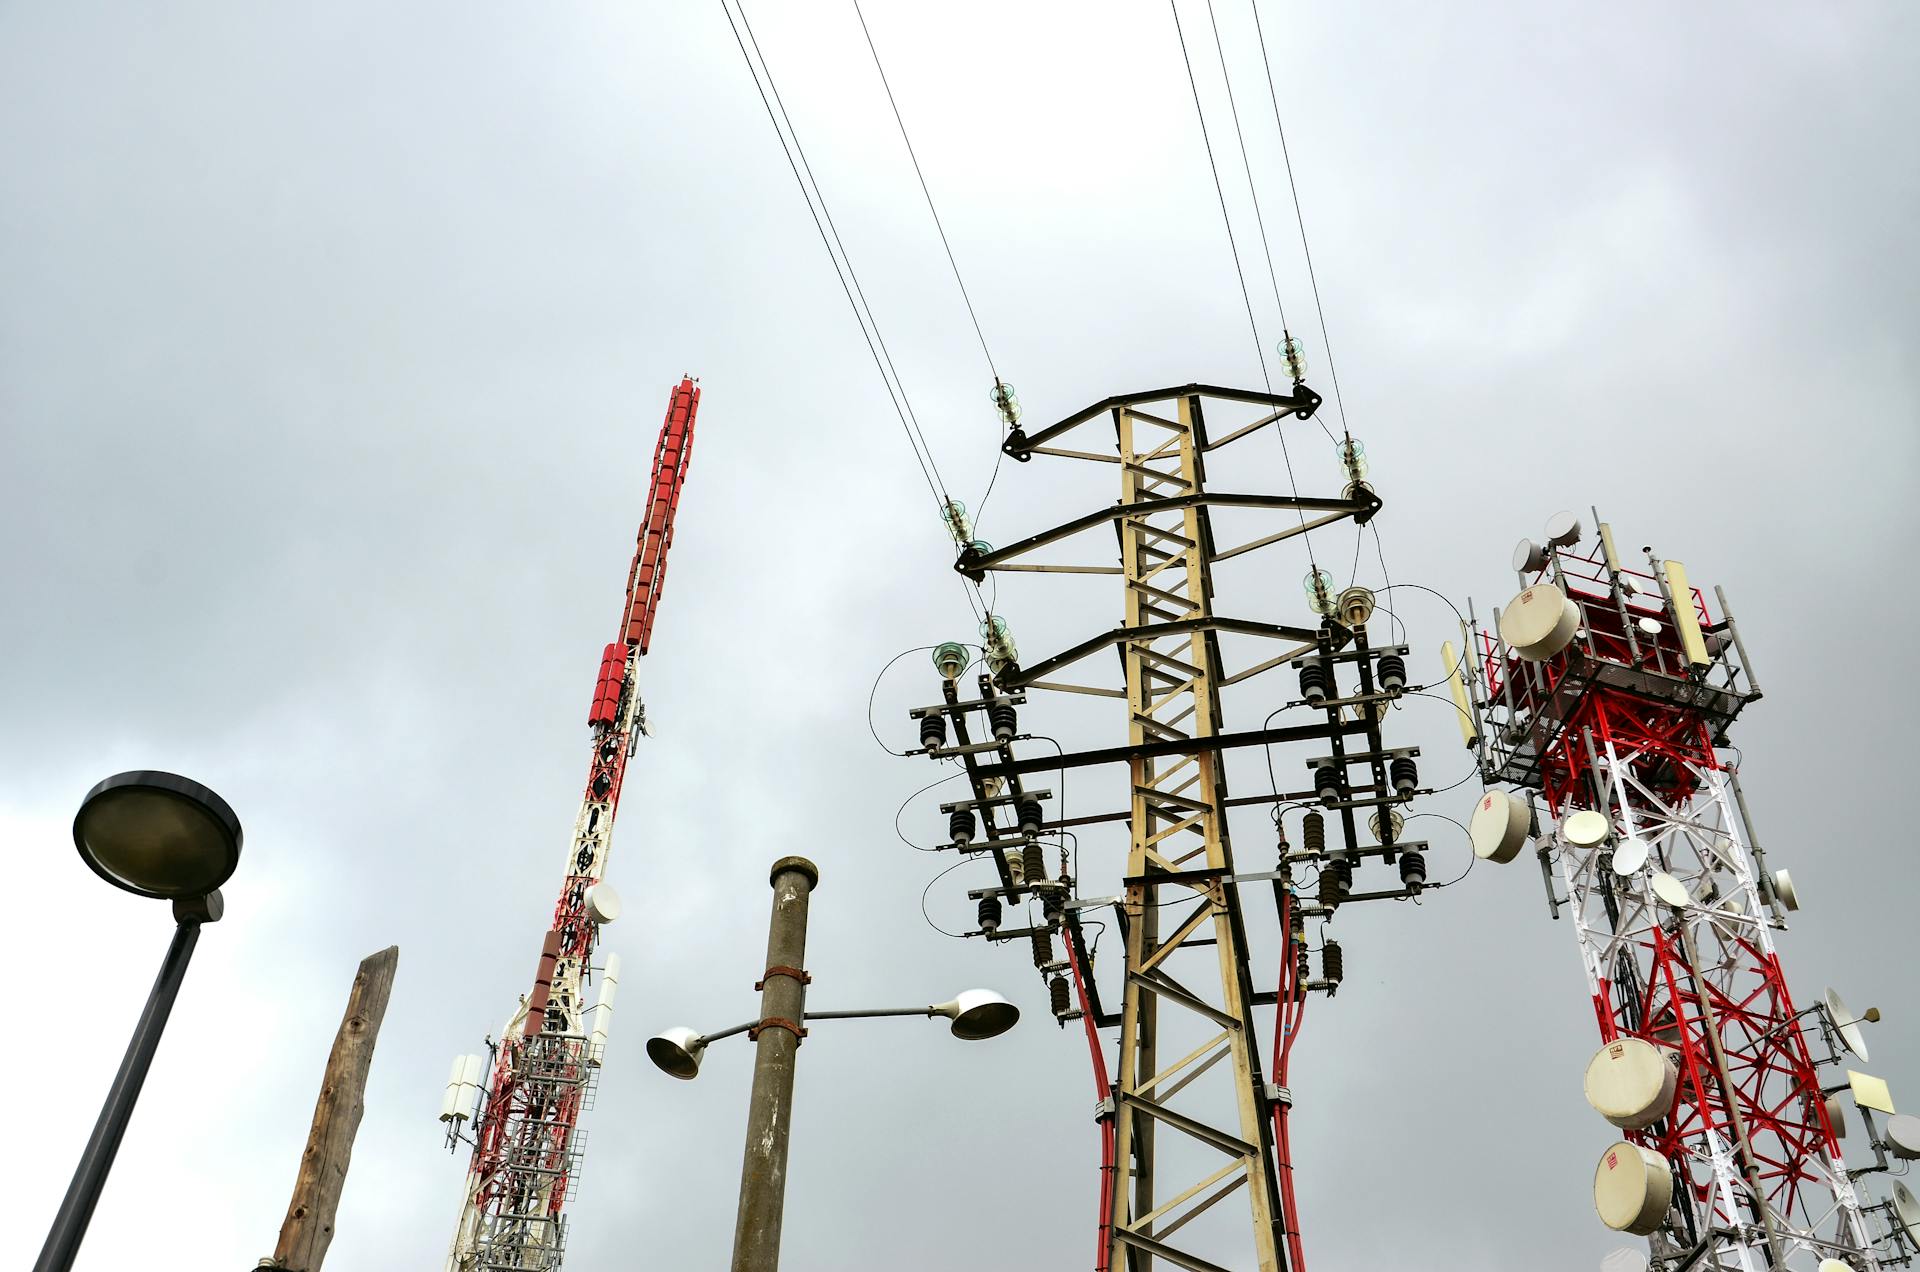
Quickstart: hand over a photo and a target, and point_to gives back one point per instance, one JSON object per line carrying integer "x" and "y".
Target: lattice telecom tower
{"x": 540, "y": 1076}
{"x": 1189, "y": 1115}
{"x": 1610, "y": 692}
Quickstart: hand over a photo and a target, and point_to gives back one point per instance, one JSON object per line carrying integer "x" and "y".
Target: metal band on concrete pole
{"x": 783, "y": 1000}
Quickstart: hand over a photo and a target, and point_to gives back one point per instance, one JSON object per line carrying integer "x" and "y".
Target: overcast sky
{"x": 333, "y": 345}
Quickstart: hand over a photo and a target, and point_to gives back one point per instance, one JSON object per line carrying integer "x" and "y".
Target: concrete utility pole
{"x": 308, "y": 1230}
{"x": 783, "y": 1002}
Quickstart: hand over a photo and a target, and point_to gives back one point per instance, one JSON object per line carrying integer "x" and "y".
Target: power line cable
{"x": 875, "y": 691}
{"x": 940, "y": 227}
{"x": 849, "y": 278}
{"x": 900, "y": 834}
{"x": 1326, "y": 341}
{"x": 842, "y": 261}
{"x": 924, "y": 892}
{"x": 865, "y": 30}
{"x": 1258, "y": 219}
{"x": 1239, "y": 273}
{"x": 1233, "y": 246}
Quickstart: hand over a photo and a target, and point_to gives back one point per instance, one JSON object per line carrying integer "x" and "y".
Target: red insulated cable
{"x": 1103, "y": 1085}
{"x": 1291, "y": 1010}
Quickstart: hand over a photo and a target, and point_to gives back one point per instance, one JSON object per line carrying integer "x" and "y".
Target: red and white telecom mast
{"x": 1609, "y": 693}
{"x": 538, "y": 1078}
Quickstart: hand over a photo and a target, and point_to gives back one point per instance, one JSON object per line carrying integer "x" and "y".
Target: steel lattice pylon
{"x": 526, "y": 1136}
{"x": 1671, "y": 902}
{"x": 1179, "y": 826}
{"x": 1189, "y": 1116}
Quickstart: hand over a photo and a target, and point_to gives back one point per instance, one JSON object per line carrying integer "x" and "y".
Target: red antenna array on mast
{"x": 524, "y": 1101}
{"x": 649, "y": 571}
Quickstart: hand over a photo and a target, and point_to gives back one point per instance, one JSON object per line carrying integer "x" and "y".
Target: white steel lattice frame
{"x": 1726, "y": 941}
{"x": 527, "y": 1141}
{"x": 1625, "y": 721}
{"x": 539, "y": 1151}
{"x": 528, "y": 1138}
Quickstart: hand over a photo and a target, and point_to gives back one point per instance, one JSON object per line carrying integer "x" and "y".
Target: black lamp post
{"x": 156, "y": 835}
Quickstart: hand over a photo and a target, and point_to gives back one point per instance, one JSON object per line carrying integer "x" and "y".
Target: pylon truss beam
{"x": 1302, "y": 638}
{"x": 1301, "y": 403}
{"x": 1161, "y": 748}
{"x": 975, "y": 565}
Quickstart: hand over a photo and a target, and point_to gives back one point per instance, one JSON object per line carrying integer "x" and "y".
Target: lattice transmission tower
{"x": 520, "y": 1106}
{"x": 1608, "y": 693}
{"x": 1189, "y": 1115}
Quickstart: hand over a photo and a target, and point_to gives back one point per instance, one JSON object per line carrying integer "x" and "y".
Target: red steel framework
{"x": 1628, "y": 720}
{"x": 526, "y": 1138}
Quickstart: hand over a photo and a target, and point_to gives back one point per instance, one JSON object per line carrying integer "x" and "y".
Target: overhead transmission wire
{"x": 1258, "y": 219}
{"x": 1326, "y": 342}
{"x": 1233, "y": 246}
{"x": 939, "y": 226}
{"x": 981, "y": 335}
{"x": 1306, "y": 252}
{"x": 842, "y": 261}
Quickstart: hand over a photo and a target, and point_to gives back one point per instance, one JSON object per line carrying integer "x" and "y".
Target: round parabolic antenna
{"x": 1846, "y": 1024}
{"x": 1528, "y": 556}
{"x": 1903, "y": 1136}
{"x": 1499, "y": 826}
{"x": 1907, "y": 1210}
{"x": 1837, "y": 1115}
{"x": 1629, "y": 855}
{"x": 1630, "y": 1083}
{"x": 1586, "y": 829}
{"x": 1729, "y": 916}
{"x": 1632, "y": 1188}
{"x": 1540, "y": 622}
{"x": 1669, "y": 889}
{"x": 1834, "y": 1265}
{"x": 603, "y": 903}
{"x": 1648, "y": 626}
{"x": 1563, "y": 529}
{"x": 1788, "y": 894}
{"x": 1625, "y": 1260}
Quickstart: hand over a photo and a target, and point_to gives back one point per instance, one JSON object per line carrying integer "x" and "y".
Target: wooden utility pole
{"x": 308, "y": 1231}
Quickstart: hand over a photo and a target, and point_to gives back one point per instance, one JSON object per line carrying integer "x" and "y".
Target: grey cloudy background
{"x": 333, "y": 343}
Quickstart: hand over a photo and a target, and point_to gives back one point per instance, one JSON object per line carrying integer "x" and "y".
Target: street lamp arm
{"x": 872, "y": 1011}
{"x": 718, "y": 1034}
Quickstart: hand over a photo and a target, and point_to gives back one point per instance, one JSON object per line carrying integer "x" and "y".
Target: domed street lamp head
{"x": 677, "y": 1052}
{"x": 158, "y": 835}
{"x": 978, "y": 1014}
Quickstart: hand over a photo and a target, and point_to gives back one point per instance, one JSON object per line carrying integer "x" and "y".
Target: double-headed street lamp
{"x": 155, "y": 835}
{"x": 975, "y": 1014}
